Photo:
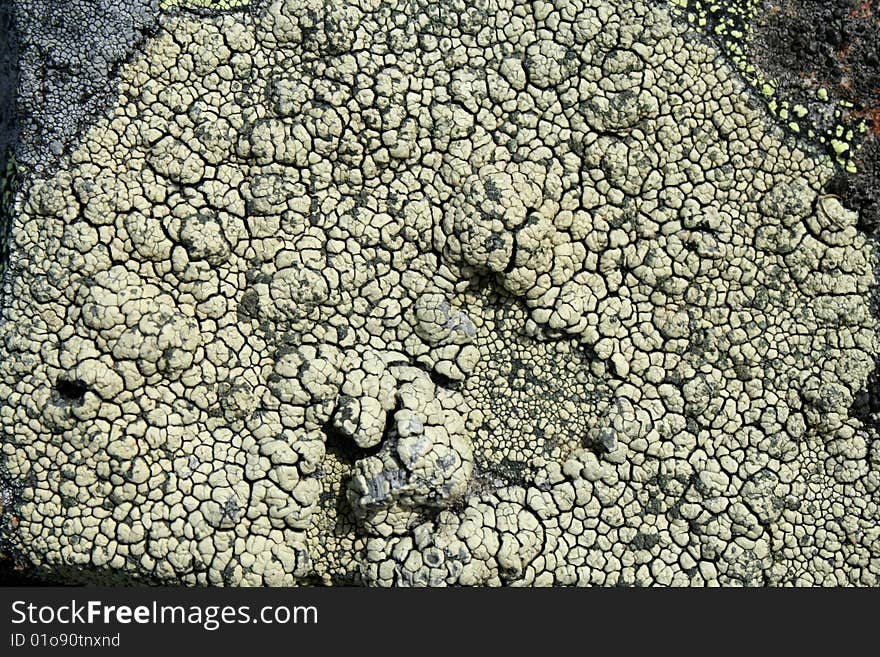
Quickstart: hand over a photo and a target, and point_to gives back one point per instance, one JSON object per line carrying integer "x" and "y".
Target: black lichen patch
{"x": 506, "y": 472}
{"x": 70, "y": 391}
{"x": 343, "y": 447}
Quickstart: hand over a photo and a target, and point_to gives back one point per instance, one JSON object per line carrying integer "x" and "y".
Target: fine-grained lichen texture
{"x": 438, "y": 293}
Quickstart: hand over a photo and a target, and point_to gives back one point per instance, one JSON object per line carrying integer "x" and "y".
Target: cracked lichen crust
{"x": 439, "y": 293}
{"x": 213, "y": 5}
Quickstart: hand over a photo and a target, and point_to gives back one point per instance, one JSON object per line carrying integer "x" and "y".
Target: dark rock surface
{"x": 807, "y": 45}
{"x": 8, "y": 81}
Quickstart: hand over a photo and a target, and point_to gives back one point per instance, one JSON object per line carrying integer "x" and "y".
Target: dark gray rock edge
{"x": 70, "y": 53}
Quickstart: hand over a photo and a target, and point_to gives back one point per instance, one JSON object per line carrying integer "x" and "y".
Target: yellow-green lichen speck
{"x": 731, "y": 23}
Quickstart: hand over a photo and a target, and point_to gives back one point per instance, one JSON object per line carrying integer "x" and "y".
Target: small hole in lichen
{"x": 71, "y": 391}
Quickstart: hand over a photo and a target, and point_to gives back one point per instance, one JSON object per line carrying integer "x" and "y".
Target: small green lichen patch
{"x": 829, "y": 122}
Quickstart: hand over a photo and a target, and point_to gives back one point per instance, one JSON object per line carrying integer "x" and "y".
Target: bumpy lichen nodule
{"x": 439, "y": 293}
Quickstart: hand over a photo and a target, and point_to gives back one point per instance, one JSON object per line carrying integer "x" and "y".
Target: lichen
{"x": 439, "y": 293}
